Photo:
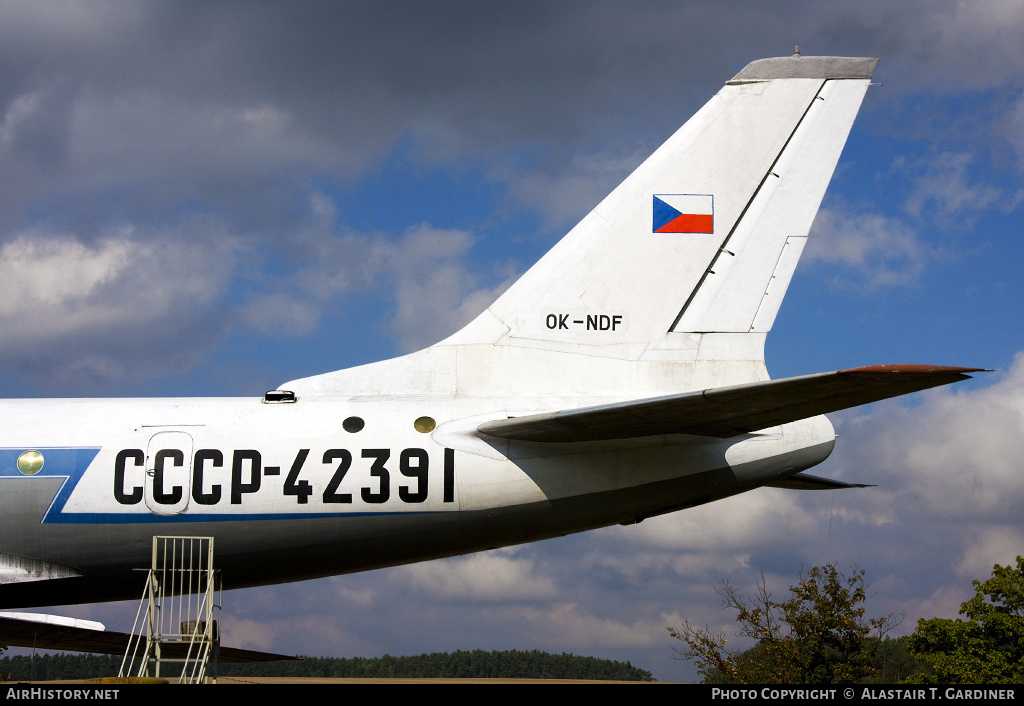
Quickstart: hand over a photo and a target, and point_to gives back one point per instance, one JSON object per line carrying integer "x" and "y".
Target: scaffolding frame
{"x": 182, "y": 605}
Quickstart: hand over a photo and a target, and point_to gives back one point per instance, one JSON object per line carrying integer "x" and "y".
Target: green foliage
{"x": 987, "y": 647}
{"x": 509, "y": 664}
{"x": 60, "y": 666}
{"x": 894, "y": 662}
{"x": 512, "y": 664}
{"x": 818, "y": 636}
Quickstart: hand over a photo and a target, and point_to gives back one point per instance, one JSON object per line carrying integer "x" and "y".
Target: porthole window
{"x": 353, "y": 424}
{"x": 424, "y": 425}
{"x": 30, "y": 463}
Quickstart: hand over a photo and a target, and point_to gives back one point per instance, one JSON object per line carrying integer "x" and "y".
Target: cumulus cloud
{"x": 247, "y": 634}
{"x": 20, "y": 111}
{"x": 134, "y": 300}
{"x": 571, "y": 625}
{"x": 945, "y": 42}
{"x": 54, "y": 273}
{"x": 867, "y": 249}
{"x": 435, "y": 292}
{"x": 489, "y": 577}
{"x": 947, "y": 190}
{"x": 952, "y": 458}
{"x": 278, "y": 313}
{"x": 562, "y": 199}
{"x": 1012, "y": 128}
{"x": 80, "y": 309}
{"x": 697, "y": 532}
{"x": 424, "y": 270}
{"x": 871, "y": 249}
{"x": 991, "y": 546}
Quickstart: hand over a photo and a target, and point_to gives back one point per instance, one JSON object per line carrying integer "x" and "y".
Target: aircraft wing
{"x": 728, "y": 411}
{"x": 17, "y": 632}
{"x": 804, "y": 481}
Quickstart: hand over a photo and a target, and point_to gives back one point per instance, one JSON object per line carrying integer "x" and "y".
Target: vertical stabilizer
{"x": 673, "y": 280}
{"x": 704, "y": 236}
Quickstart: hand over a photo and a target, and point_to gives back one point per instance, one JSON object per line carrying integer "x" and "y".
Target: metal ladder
{"x": 181, "y": 617}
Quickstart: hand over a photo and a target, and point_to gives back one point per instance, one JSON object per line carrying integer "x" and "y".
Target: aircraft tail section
{"x": 704, "y": 236}
{"x": 673, "y": 280}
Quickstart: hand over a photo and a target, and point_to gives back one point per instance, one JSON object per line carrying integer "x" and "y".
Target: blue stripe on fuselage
{"x": 71, "y": 463}
{"x": 67, "y": 463}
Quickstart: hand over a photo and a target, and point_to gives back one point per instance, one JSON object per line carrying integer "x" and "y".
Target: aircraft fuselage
{"x": 289, "y": 494}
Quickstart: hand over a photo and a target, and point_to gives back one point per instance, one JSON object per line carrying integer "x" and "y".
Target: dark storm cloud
{"x": 130, "y": 122}
{"x": 345, "y": 80}
{"x": 236, "y": 103}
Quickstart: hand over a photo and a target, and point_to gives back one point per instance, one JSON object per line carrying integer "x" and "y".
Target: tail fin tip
{"x": 796, "y": 66}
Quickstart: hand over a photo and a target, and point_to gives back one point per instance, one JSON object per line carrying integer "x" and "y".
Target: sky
{"x": 212, "y": 198}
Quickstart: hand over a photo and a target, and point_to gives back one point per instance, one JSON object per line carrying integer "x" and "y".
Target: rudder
{"x": 704, "y": 235}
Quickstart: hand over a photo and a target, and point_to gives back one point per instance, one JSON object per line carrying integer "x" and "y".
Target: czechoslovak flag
{"x": 684, "y": 213}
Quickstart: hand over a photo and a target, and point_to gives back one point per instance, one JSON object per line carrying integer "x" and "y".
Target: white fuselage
{"x": 289, "y": 494}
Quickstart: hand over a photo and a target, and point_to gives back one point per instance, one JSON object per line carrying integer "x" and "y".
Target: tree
{"x": 987, "y": 647}
{"x": 895, "y": 663}
{"x": 819, "y": 635}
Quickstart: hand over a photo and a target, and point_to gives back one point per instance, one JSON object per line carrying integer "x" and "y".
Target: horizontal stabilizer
{"x": 42, "y": 632}
{"x": 728, "y": 411}
{"x": 802, "y": 481}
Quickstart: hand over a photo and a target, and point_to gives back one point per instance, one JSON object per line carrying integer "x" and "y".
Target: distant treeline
{"x": 510, "y": 664}
{"x": 60, "y": 666}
